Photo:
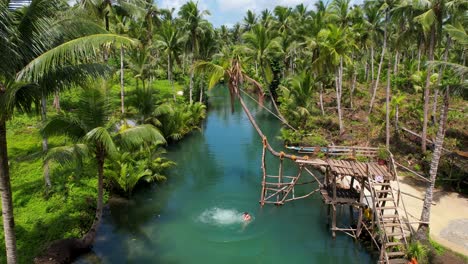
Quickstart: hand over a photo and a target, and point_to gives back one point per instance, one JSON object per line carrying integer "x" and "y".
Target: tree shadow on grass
{"x": 74, "y": 219}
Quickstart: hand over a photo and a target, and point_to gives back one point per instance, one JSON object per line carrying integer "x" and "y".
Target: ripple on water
{"x": 225, "y": 225}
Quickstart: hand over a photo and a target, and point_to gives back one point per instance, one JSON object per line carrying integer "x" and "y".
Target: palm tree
{"x": 95, "y": 136}
{"x": 384, "y": 48}
{"x": 250, "y": 20}
{"x": 301, "y": 89}
{"x": 334, "y": 43}
{"x": 29, "y": 62}
{"x": 170, "y": 40}
{"x": 459, "y": 35}
{"x": 194, "y": 25}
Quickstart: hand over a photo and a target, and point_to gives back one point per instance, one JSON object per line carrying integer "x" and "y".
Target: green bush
{"x": 418, "y": 251}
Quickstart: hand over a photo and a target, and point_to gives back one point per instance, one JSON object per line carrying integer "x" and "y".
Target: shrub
{"x": 418, "y": 251}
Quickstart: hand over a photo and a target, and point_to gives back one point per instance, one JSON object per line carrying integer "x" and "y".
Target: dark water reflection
{"x": 195, "y": 216}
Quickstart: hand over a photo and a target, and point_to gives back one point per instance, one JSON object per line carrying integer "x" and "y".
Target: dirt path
{"x": 449, "y": 215}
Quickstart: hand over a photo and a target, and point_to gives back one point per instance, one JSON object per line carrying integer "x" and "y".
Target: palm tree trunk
{"x": 387, "y": 107}
{"x": 419, "y": 55}
{"x": 7, "y": 200}
{"x": 192, "y": 72}
{"x": 372, "y": 65}
{"x": 439, "y": 80}
{"x": 427, "y": 92}
{"x": 202, "y": 84}
{"x": 45, "y": 144}
{"x": 353, "y": 87}
{"x": 89, "y": 237}
{"x": 339, "y": 87}
{"x": 422, "y": 233}
{"x": 57, "y": 101}
{"x": 169, "y": 75}
{"x": 122, "y": 90}
{"x": 376, "y": 84}
{"x": 395, "y": 66}
{"x": 396, "y": 117}
{"x": 321, "y": 98}
{"x": 366, "y": 71}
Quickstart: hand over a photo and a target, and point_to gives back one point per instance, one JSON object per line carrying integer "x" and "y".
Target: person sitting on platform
{"x": 367, "y": 213}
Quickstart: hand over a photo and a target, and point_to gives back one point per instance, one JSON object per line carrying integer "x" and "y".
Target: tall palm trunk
{"x": 122, "y": 90}
{"x": 395, "y": 65}
{"x": 169, "y": 75}
{"x": 192, "y": 72}
{"x": 7, "y": 200}
{"x": 372, "y": 65}
{"x": 353, "y": 87}
{"x": 57, "y": 101}
{"x": 427, "y": 92}
{"x": 387, "y": 107}
{"x": 439, "y": 80}
{"x": 419, "y": 55}
{"x": 321, "y": 98}
{"x": 422, "y": 233}
{"x": 339, "y": 87}
{"x": 376, "y": 84}
{"x": 202, "y": 84}
{"x": 89, "y": 237}
{"x": 45, "y": 143}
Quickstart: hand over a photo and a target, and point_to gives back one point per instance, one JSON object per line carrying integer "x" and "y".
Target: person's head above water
{"x": 246, "y": 216}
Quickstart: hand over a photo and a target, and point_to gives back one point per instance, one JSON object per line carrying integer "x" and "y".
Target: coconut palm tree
{"x": 29, "y": 62}
{"x": 300, "y": 91}
{"x": 194, "y": 23}
{"x": 169, "y": 38}
{"x": 453, "y": 85}
{"x": 335, "y": 43}
{"x": 96, "y": 137}
{"x": 250, "y": 20}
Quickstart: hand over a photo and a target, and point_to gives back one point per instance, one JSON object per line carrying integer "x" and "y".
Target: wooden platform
{"x": 359, "y": 169}
{"x": 328, "y": 199}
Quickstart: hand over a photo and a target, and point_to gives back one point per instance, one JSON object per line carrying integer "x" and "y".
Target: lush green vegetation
{"x": 120, "y": 76}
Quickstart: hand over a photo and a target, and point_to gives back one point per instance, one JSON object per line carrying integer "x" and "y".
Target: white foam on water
{"x": 221, "y": 216}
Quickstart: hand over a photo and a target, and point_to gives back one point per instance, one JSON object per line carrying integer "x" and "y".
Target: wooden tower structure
{"x": 350, "y": 177}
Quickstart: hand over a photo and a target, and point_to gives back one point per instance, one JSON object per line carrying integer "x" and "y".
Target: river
{"x": 195, "y": 217}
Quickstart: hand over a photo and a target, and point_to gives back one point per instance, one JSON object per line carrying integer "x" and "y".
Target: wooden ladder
{"x": 391, "y": 232}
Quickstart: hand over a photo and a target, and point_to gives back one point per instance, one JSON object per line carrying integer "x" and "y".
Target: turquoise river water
{"x": 195, "y": 217}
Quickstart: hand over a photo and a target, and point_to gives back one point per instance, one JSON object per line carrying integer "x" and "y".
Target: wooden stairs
{"x": 391, "y": 232}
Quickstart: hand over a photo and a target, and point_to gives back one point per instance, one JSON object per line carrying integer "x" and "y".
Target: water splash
{"x": 221, "y": 217}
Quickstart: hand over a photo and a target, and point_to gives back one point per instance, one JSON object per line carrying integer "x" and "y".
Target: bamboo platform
{"x": 340, "y": 163}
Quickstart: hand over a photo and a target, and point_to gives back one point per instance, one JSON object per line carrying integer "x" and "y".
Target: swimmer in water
{"x": 246, "y": 216}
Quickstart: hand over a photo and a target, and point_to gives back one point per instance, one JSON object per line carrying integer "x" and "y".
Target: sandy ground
{"x": 449, "y": 215}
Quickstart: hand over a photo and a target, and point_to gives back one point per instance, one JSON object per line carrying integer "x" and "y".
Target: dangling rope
{"x": 269, "y": 111}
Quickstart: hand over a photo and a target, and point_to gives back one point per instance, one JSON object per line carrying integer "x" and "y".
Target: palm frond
{"x": 136, "y": 136}
{"x": 99, "y": 136}
{"x": 458, "y": 33}
{"x": 72, "y": 75}
{"x": 19, "y": 95}
{"x": 215, "y": 72}
{"x": 66, "y": 155}
{"x": 63, "y": 124}
{"x": 73, "y": 52}
{"x": 426, "y": 19}
{"x": 459, "y": 69}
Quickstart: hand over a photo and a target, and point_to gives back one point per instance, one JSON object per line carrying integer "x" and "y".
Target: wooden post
{"x": 361, "y": 199}
{"x": 334, "y": 221}
{"x": 262, "y": 195}
{"x": 280, "y": 179}
{"x": 334, "y": 187}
